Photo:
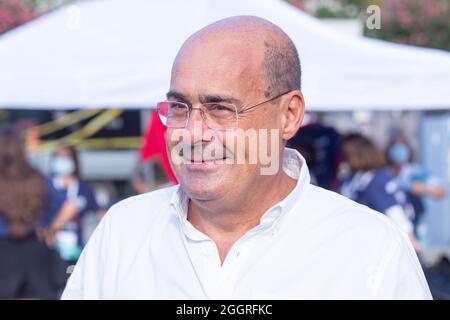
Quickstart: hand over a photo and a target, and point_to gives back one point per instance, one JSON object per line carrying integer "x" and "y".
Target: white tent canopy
{"x": 117, "y": 53}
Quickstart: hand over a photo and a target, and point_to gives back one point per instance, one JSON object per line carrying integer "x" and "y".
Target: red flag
{"x": 154, "y": 145}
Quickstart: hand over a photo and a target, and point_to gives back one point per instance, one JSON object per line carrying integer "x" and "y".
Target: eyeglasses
{"x": 216, "y": 115}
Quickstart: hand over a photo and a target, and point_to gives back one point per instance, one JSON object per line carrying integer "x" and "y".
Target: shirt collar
{"x": 294, "y": 165}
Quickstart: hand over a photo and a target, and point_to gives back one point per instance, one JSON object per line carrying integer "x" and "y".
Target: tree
{"x": 42, "y": 6}
{"x": 334, "y": 8}
{"x": 416, "y": 22}
{"x": 14, "y": 13}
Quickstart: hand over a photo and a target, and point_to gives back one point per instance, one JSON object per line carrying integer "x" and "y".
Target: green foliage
{"x": 14, "y": 13}
{"x": 416, "y": 22}
{"x": 46, "y": 5}
{"x": 325, "y": 12}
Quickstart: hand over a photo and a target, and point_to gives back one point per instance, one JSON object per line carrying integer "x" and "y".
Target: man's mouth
{"x": 203, "y": 160}
{"x": 197, "y": 158}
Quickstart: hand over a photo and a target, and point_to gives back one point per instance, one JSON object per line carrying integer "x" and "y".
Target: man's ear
{"x": 293, "y": 112}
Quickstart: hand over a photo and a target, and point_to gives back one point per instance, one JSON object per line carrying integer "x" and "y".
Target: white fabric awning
{"x": 118, "y": 53}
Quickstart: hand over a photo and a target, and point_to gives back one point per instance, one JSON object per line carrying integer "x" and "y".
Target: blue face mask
{"x": 399, "y": 153}
{"x": 63, "y": 166}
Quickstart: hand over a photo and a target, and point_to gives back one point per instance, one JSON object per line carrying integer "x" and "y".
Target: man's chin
{"x": 202, "y": 191}
{"x": 205, "y": 183}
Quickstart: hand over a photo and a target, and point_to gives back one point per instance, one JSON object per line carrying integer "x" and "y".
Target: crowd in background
{"x": 42, "y": 218}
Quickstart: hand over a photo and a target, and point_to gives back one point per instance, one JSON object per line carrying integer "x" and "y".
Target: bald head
{"x": 263, "y": 46}
{"x": 239, "y": 73}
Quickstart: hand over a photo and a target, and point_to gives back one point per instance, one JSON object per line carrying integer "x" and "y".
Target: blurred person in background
{"x": 308, "y": 152}
{"x": 153, "y": 169}
{"x": 66, "y": 178}
{"x": 371, "y": 182}
{"x": 326, "y": 144}
{"x": 31, "y": 211}
{"x": 413, "y": 179}
{"x": 149, "y": 176}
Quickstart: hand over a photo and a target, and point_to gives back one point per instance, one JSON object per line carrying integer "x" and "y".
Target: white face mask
{"x": 63, "y": 166}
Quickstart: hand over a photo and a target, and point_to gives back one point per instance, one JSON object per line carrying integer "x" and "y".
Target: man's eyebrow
{"x": 172, "y": 94}
{"x": 219, "y": 98}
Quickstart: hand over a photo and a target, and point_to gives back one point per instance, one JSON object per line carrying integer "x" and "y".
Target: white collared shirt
{"x": 315, "y": 244}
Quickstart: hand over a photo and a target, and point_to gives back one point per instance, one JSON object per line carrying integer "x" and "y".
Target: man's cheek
{"x": 243, "y": 145}
{"x": 174, "y": 142}
{"x": 175, "y": 155}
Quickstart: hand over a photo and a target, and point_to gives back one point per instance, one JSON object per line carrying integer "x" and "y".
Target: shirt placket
{"x": 219, "y": 280}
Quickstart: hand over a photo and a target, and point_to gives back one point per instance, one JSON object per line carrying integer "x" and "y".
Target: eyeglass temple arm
{"x": 261, "y": 103}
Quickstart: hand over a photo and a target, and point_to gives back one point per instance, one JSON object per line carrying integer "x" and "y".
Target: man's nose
{"x": 195, "y": 115}
{"x": 196, "y": 125}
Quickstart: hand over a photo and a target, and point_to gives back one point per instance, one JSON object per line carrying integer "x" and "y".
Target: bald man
{"x": 244, "y": 222}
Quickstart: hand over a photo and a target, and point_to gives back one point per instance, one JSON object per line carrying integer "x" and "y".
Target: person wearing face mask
{"x": 412, "y": 178}
{"x": 66, "y": 177}
{"x": 371, "y": 182}
{"x": 31, "y": 211}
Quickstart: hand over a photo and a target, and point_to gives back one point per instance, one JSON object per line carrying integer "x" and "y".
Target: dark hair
{"x": 307, "y": 150}
{"x": 22, "y": 188}
{"x": 282, "y": 68}
{"x": 361, "y": 153}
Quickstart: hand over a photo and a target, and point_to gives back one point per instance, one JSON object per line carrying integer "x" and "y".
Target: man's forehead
{"x": 226, "y": 64}
{"x": 230, "y": 52}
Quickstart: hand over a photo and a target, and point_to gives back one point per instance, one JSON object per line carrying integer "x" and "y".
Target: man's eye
{"x": 220, "y": 108}
{"x": 177, "y": 106}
